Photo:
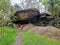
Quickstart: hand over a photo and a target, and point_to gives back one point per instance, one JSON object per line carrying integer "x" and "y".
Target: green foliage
{"x": 6, "y": 11}
{"x": 54, "y": 6}
{"x": 29, "y": 38}
{"x": 44, "y": 1}
{"x": 9, "y": 34}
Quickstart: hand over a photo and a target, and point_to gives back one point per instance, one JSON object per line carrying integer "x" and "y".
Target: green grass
{"x": 29, "y": 38}
{"x": 9, "y": 35}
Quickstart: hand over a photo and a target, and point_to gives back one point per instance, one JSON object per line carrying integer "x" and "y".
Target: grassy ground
{"x": 29, "y": 38}
{"x": 7, "y": 36}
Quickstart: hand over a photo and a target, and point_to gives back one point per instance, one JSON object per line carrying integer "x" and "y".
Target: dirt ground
{"x": 18, "y": 38}
{"x": 50, "y": 31}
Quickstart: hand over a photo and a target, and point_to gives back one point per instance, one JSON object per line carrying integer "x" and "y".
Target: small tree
{"x": 6, "y": 11}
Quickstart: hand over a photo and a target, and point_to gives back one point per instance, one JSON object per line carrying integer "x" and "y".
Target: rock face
{"x": 30, "y": 16}
{"x": 26, "y": 16}
{"x": 50, "y": 31}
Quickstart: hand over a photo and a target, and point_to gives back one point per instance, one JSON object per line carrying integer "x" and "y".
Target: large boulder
{"x": 26, "y": 16}
{"x": 31, "y": 16}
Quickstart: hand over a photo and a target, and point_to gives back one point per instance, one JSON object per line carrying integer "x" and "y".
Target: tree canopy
{"x": 6, "y": 10}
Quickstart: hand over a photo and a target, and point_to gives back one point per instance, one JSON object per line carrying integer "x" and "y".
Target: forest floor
{"x": 49, "y": 31}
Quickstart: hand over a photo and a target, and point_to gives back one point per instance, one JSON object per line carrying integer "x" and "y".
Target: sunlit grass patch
{"x": 8, "y": 35}
{"x": 29, "y": 38}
